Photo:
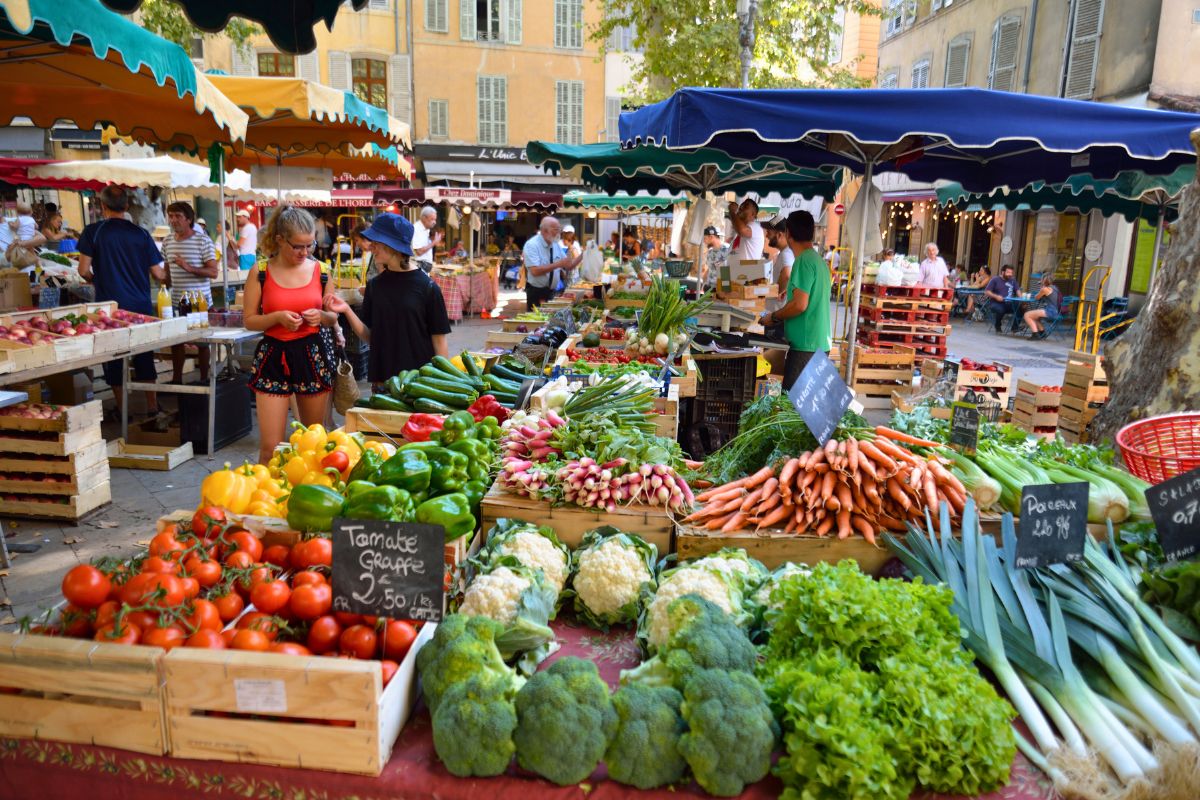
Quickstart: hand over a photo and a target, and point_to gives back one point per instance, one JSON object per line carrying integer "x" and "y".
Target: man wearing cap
{"x": 716, "y": 257}
{"x": 423, "y": 242}
{"x": 247, "y": 241}
{"x": 543, "y": 254}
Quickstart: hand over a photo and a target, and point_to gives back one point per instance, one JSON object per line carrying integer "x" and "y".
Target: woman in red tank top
{"x": 284, "y": 299}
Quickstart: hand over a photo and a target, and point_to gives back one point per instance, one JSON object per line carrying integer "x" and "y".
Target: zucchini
{"x": 432, "y": 406}
{"x": 505, "y": 373}
{"x": 445, "y": 386}
{"x": 454, "y": 399}
{"x": 501, "y": 385}
{"x": 446, "y": 365}
{"x": 429, "y": 371}
{"x": 469, "y": 362}
{"x": 384, "y": 402}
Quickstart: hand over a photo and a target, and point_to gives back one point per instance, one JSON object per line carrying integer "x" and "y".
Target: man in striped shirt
{"x": 191, "y": 259}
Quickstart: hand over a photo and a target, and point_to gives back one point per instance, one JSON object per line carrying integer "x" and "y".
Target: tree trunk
{"x": 1154, "y": 367}
{"x": 146, "y": 208}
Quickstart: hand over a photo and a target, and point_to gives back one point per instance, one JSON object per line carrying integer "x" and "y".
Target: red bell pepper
{"x": 421, "y": 426}
{"x": 488, "y": 406}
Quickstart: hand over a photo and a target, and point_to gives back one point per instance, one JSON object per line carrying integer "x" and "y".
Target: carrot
{"x": 801, "y": 516}
{"x": 787, "y": 474}
{"x": 896, "y": 493}
{"x": 845, "y": 499}
{"x": 843, "y": 525}
{"x": 759, "y": 477}
{"x": 827, "y": 483}
{"x": 888, "y": 433}
{"x": 956, "y": 500}
{"x": 790, "y": 527}
{"x": 719, "y": 522}
{"x": 807, "y": 479}
{"x": 750, "y": 500}
{"x": 824, "y": 527}
{"x": 770, "y": 487}
{"x": 702, "y": 484}
{"x": 830, "y": 448}
{"x": 864, "y": 526}
{"x": 877, "y": 455}
{"x": 852, "y": 453}
{"x": 728, "y": 487}
{"x": 724, "y": 497}
{"x": 947, "y": 477}
{"x": 818, "y": 456}
{"x": 892, "y": 524}
{"x": 775, "y": 517}
{"x": 769, "y": 503}
{"x": 931, "y": 499}
{"x": 735, "y": 523}
{"x": 871, "y": 491}
{"x": 897, "y": 452}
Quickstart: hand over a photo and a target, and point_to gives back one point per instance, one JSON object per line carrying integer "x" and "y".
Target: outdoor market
{"x": 776, "y": 446}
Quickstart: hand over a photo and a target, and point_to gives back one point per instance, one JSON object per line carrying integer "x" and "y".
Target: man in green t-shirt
{"x": 805, "y": 317}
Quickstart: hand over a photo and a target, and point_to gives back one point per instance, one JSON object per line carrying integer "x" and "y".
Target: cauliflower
{"x": 685, "y": 580}
{"x": 734, "y": 567}
{"x": 610, "y": 574}
{"x": 522, "y": 600}
{"x": 537, "y": 552}
{"x": 496, "y": 595}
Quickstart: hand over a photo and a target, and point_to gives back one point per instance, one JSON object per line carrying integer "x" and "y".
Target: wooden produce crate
{"x": 611, "y": 303}
{"x": 105, "y": 341}
{"x": 145, "y": 333}
{"x": 375, "y": 422}
{"x": 749, "y": 291}
{"x": 77, "y": 461}
{"x": 286, "y": 701}
{"x": 995, "y": 385}
{"x": 139, "y": 456}
{"x": 1035, "y": 409}
{"x": 51, "y": 443}
{"x": 666, "y": 410}
{"x": 50, "y": 506}
{"x": 774, "y": 548}
{"x": 81, "y": 691}
{"x": 570, "y": 522}
{"x": 26, "y": 356}
{"x": 72, "y": 418}
{"x": 511, "y": 325}
{"x": 1084, "y": 391}
{"x": 29, "y": 481}
{"x": 687, "y": 381}
{"x": 879, "y": 374}
{"x": 505, "y": 339}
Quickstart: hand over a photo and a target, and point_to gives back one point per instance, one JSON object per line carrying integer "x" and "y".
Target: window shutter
{"x": 612, "y": 119}
{"x": 560, "y": 112}
{"x": 560, "y": 19}
{"x": 958, "y": 59}
{"x": 435, "y": 15}
{"x": 1085, "y": 48}
{"x": 377, "y": 5}
{"x": 399, "y": 96}
{"x": 245, "y": 62}
{"x": 1005, "y": 46}
{"x": 466, "y": 19}
{"x": 568, "y": 24}
{"x": 890, "y": 81}
{"x": 920, "y": 75}
{"x": 493, "y": 110}
{"x": 339, "y": 70}
{"x": 576, "y": 22}
{"x": 515, "y": 10}
{"x": 576, "y": 112}
{"x": 439, "y": 119}
{"x": 308, "y": 67}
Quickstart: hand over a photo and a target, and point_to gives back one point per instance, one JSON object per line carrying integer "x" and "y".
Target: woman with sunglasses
{"x": 284, "y": 299}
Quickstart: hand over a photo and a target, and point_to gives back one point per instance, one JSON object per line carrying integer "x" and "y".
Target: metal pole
{"x": 222, "y": 230}
{"x": 858, "y": 272}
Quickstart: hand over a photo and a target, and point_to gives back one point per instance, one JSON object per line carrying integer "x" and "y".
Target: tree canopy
{"x": 168, "y": 21}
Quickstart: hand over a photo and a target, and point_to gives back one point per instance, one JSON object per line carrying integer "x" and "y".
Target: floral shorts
{"x": 300, "y": 366}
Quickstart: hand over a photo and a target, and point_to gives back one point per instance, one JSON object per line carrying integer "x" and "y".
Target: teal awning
{"x": 621, "y": 203}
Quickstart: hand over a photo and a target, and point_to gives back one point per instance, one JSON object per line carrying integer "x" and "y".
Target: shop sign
{"x": 388, "y": 569}
{"x": 820, "y": 396}
{"x": 438, "y": 194}
{"x": 1053, "y": 524}
{"x": 1175, "y": 507}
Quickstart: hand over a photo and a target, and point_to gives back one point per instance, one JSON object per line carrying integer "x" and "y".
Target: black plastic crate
{"x": 233, "y": 415}
{"x": 710, "y": 424}
{"x": 726, "y": 378}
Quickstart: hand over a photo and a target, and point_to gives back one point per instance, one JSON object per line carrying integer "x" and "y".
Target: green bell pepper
{"x": 450, "y": 470}
{"x": 381, "y": 502}
{"x": 368, "y": 464}
{"x": 488, "y": 428}
{"x": 456, "y": 427}
{"x": 479, "y": 455}
{"x": 451, "y": 511}
{"x": 408, "y": 469}
{"x": 475, "y": 490}
{"x": 312, "y": 507}
{"x": 355, "y": 488}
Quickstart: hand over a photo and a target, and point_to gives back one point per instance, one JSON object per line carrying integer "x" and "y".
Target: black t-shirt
{"x": 122, "y": 255}
{"x": 404, "y": 310}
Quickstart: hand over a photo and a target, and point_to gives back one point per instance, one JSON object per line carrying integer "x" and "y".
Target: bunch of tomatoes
{"x": 190, "y": 585}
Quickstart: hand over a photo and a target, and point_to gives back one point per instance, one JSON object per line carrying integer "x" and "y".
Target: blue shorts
{"x": 247, "y": 261}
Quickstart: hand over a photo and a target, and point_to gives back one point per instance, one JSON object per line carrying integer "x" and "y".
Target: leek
{"x": 978, "y": 483}
{"x": 1106, "y": 500}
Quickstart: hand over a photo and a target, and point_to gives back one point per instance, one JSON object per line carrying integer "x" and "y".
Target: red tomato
{"x": 290, "y": 649}
{"x": 250, "y": 640}
{"x": 346, "y": 619}
{"x": 161, "y": 565}
{"x": 227, "y": 636}
{"x": 323, "y": 635}
{"x": 246, "y": 542}
{"x": 307, "y": 577}
{"x": 315, "y": 552}
{"x": 229, "y": 605}
{"x": 154, "y": 589}
{"x": 127, "y": 634}
{"x": 165, "y": 545}
{"x": 358, "y": 641}
{"x": 206, "y": 638}
{"x": 259, "y": 574}
{"x": 398, "y": 637}
{"x": 204, "y": 616}
{"x": 191, "y": 588}
{"x": 76, "y": 622}
{"x": 277, "y": 554}
{"x": 143, "y": 619}
{"x": 85, "y": 586}
{"x": 106, "y": 613}
{"x": 389, "y": 670}
{"x": 167, "y": 638}
{"x": 258, "y": 621}
{"x": 208, "y": 522}
{"x": 270, "y": 596}
{"x": 336, "y": 460}
{"x": 206, "y": 573}
{"x": 239, "y": 560}
{"x": 311, "y": 601}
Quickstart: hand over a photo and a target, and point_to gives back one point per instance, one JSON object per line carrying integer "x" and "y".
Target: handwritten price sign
{"x": 1053, "y": 524}
{"x": 1175, "y": 507}
{"x": 388, "y": 569}
{"x": 820, "y": 396}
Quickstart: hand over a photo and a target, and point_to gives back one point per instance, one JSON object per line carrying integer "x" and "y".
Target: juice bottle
{"x": 163, "y": 303}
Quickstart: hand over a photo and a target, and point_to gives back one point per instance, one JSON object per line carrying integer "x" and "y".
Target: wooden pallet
{"x": 774, "y": 548}
{"x": 69, "y": 464}
{"x": 138, "y": 456}
{"x": 287, "y": 701}
{"x": 915, "y": 328}
{"x": 900, "y": 304}
{"x": 50, "y": 442}
{"x": 73, "y": 418}
{"x": 918, "y": 292}
{"x": 570, "y": 522}
{"x": 75, "y": 507}
{"x": 874, "y": 314}
{"x": 32, "y": 482}
{"x": 81, "y": 691}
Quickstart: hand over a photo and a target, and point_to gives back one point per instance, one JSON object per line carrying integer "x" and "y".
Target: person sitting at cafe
{"x": 978, "y": 281}
{"x": 1045, "y": 308}
{"x": 997, "y": 292}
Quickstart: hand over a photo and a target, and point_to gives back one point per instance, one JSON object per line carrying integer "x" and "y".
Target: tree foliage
{"x": 695, "y": 43}
{"x": 168, "y": 20}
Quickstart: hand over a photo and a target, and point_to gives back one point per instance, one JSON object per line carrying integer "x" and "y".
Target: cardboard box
{"x": 143, "y": 433}
{"x": 70, "y": 388}
{"x": 747, "y": 271}
{"x": 15, "y": 291}
{"x": 770, "y": 385}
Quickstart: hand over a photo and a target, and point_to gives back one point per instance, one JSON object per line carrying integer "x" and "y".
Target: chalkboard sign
{"x": 1175, "y": 507}
{"x": 1053, "y": 524}
{"x": 388, "y": 569}
{"x": 820, "y": 396}
{"x": 964, "y": 427}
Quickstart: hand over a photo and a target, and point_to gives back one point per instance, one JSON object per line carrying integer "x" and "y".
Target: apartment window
{"x": 276, "y": 65}
{"x": 490, "y": 20}
{"x": 1087, "y": 19}
{"x": 837, "y": 35}
{"x": 439, "y": 119}
{"x": 920, "y": 74}
{"x": 890, "y": 80}
{"x": 612, "y": 118}
{"x": 568, "y": 112}
{"x": 621, "y": 39}
{"x": 568, "y": 24}
{"x": 437, "y": 16}
{"x": 492, "y": 91}
{"x": 370, "y": 80}
{"x": 1006, "y": 36}
{"x": 487, "y": 20}
{"x": 958, "y": 61}
{"x": 196, "y": 48}
{"x": 894, "y": 17}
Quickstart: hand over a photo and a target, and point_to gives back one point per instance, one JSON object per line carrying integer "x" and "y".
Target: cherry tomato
{"x": 208, "y": 522}
{"x": 206, "y": 638}
{"x": 250, "y": 640}
{"x": 204, "y": 616}
{"x": 143, "y": 619}
{"x": 259, "y": 574}
{"x": 346, "y": 619}
{"x": 389, "y": 670}
{"x": 76, "y": 622}
{"x": 106, "y": 613}
{"x": 336, "y": 460}
{"x": 307, "y": 577}
{"x": 278, "y": 555}
{"x": 246, "y": 542}
{"x": 127, "y": 634}
{"x": 311, "y": 601}
{"x": 315, "y": 552}
{"x": 206, "y": 573}
{"x": 153, "y": 588}
{"x": 227, "y": 636}
{"x": 167, "y": 638}
{"x": 358, "y": 641}
{"x": 258, "y": 621}
{"x": 239, "y": 559}
{"x": 323, "y": 634}
{"x": 290, "y": 649}
{"x": 162, "y": 565}
{"x": 229, "y": 605}
{"x": 85, "y": 586}
{"x": 165, "y": 545}
{"x": 398, "y": 637}
{"x": 270, "y": 596}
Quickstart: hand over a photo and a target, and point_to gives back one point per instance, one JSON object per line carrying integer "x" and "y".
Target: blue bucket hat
{"x": 393, "y": 230}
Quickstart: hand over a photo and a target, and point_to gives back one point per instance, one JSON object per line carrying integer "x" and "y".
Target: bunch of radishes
{"x": 524, "y": 478}
{"x": 524, "y": 445}
{"x": 32, "y": 411}
{"x": 606, "y": 486}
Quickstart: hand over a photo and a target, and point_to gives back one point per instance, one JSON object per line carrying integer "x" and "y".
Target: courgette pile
{"x": 439, "y": 387}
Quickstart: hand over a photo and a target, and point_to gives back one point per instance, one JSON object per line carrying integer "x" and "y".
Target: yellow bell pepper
{"x": 259, "y": 473}
{"x": 261, "y": 509}
{"x": 295, "y": 470}
{"x": 318, "y": 478}
{"x": 271, "y": 488}
{"x": 229, "y": 489}
{"x": 339, "y": 437}
{"x": 312, "y": 439}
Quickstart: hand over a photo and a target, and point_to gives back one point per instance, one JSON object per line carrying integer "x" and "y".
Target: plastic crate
{"x": 727, "y": 378}
{"x": 678, "y": 269}
{"x": 710, "y": 424}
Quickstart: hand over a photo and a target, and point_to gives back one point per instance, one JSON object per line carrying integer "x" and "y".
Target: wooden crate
{"x": 81, "y": 691}
{"x": 290, "y": 697}
{"x": 1085, "y": 389}
{"x": 139, "y": 456}
{"x": 1085, "y": 369}
{"x": 901, "y": 403}
{"x": 73, "y": 418}
{"x": 49, "y": 442}
{"x": 511, "y": 325}
{"x": 879, "y": 375}
{"x": 29, "y": 481}
{"x": 666, "y": 410}
{"x": 69, "y": 464}
{"x": 610, "y": 303}
{"x": 744, "y": 291}
{"x": 505, "y": 339}
{"x": 1031, "y": 394}
{"x": 774, "y": 548}
{"x": 687, "y": 381}
{"x": 145, "y": 333}
{"x": 75, "y": 507}
{"x": 570, "y": 522}
{"x": 105, "y": 341}
{"x": 375, "y": 422}
{"x": 1031, "y": 420}
{"x": 26, "y": 356}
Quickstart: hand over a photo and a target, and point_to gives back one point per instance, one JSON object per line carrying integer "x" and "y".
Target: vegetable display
{"x": 440, "y": 387}
{"x": 663, "y": 327}
{"x": 612, "y": 572}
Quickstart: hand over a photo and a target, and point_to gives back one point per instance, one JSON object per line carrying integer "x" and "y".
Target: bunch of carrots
{"x": 853, "y": 486}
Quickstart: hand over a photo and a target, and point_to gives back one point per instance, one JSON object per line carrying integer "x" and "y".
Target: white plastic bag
{"x": 592, "y": 266}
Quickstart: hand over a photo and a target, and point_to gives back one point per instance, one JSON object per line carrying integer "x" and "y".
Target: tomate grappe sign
{"x": 388, "y": 569}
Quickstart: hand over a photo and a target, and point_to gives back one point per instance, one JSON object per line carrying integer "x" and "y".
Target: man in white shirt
{"x": 543, "y": 254}
{"x": 573, "y": 248}
{"x": 933, "y": 269}
{"x": 748, "y": 243}
{"x": 423, "y": 242}
{"x": 833, "y": 258}
{"x": 889, "y": 273}
{"x": 247, "y": 242}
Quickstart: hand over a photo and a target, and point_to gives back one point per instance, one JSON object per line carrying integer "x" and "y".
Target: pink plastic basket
{"x": 1159, "y": 448}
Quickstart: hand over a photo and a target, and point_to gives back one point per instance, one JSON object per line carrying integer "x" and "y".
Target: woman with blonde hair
{"x": 284, "y": 298}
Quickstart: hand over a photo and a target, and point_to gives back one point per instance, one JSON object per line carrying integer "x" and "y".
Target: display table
{"x": 65, "y": 772}
{"x": 470, "y": 294}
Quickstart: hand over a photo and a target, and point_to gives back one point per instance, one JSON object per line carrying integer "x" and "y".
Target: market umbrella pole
{"x": 858, "y": 273}
{"x": 222, "y": 230}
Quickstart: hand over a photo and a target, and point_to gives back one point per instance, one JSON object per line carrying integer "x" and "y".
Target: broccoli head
{"x": 565, "y": 720}
{"x": 731, "y": 731}
{"x": 645, "y": 751}
{"x": 461, "y": 648}
{"x": 703, "y": 637}
{"x": 473, "y": 726}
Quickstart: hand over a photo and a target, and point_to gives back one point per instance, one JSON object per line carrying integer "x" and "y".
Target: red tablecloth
{"x": 31, "y": 769}
{"x": 468, "y": 294}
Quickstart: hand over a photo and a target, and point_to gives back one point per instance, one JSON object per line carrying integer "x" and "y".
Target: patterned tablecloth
{"x": 469, "y": 294}
{"x": 30, "y": 769}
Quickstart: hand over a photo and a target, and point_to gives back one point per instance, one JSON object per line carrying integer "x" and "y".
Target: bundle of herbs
{"x": 662, "y": 327}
